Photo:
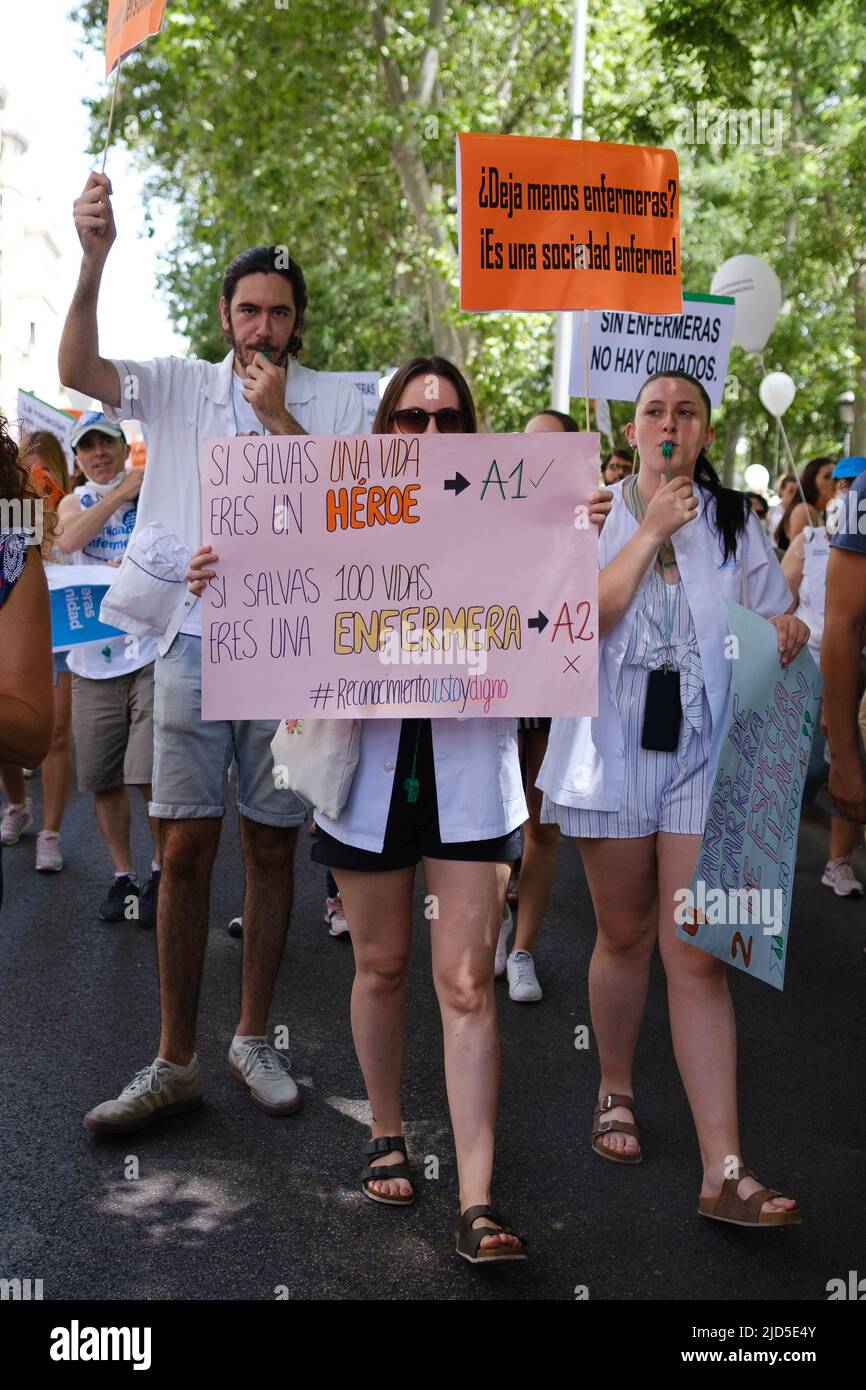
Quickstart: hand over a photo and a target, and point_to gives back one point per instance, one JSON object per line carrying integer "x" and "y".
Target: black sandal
{"x": 384, "y": 1172}
{"x": 469, "y": 1240}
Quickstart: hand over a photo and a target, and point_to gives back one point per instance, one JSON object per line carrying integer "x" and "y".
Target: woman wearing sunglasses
{"x": 446, "y": 793}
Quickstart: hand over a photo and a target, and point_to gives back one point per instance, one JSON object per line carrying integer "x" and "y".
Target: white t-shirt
{"x": 246, "y": 418}
{"x": 115, "y": 656}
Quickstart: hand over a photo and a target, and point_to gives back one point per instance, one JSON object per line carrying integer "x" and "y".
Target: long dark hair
{"x": 731, "y": 509}
{"x": 424, "y": 366}
{"x": 809, "y": 484}
{"x": 13, "y": 477}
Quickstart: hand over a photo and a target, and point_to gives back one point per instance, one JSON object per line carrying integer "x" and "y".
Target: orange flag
{"x": 130, "y": 22}
{"x": 567, "y": 224}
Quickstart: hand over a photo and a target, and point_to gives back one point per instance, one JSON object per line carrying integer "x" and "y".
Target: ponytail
{"x": 731, "y": 508}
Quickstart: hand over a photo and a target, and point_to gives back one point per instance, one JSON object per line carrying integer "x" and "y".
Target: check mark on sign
{"x": 546, "y": 471}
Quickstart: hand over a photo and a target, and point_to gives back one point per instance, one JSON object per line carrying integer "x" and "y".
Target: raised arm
{"x": 79, "y": 362}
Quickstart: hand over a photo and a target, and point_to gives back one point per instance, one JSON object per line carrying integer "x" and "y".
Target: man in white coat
{"x": 258, "y": 388}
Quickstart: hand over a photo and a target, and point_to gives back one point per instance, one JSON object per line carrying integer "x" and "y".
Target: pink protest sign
{"x": 375, "y": 576}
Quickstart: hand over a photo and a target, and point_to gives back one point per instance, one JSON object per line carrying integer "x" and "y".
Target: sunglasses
{"x": 414, "y": 421}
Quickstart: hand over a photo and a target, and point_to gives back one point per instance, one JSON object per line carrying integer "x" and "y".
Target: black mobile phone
{"x": 663, "y": 712}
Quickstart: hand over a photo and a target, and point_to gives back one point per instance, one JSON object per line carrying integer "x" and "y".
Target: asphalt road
{"x": 232, "y": 1204}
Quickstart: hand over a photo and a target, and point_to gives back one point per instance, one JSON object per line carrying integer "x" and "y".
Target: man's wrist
{"x": 282, "y": 423}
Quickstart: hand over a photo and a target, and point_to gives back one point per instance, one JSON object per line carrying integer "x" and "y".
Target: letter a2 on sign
{"x": 567, "y": 224}
{"x": 130, "y": 22}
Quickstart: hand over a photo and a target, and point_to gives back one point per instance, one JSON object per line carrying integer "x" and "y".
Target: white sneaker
{"x": 158, "y": 1089}
{"x": 266, "y": 1072}
{"x": 16, "y": 819}
{"x": 839, "y": 876}
{"x": 335, "y": 916}
{"x": 502, "y": 943}
{"x": 523, "y": 986}
{"x": 48, "y": 856}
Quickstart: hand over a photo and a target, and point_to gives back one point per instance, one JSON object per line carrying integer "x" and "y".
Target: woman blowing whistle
{"x": 632, "y": 784}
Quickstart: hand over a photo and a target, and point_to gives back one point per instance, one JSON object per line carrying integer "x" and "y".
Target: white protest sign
{"x": 626, "y": 348}
{"x": 368, "y": 385}
{"x": 34, "y": 414}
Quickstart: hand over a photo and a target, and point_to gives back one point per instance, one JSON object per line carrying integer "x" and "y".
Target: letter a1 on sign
{"x": 130, "y": 22}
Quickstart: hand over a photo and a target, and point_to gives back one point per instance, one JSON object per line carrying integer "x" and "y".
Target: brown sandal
{"x": 614, "y": 1127}
{"x": 746, "y": 1211}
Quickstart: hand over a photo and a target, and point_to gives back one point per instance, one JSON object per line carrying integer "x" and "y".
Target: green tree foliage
{"x": 329, "y": 127}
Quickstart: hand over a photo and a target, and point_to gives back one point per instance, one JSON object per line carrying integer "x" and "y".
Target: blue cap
{"x": 850, "y": 468}
{"x": 94, "y": 420}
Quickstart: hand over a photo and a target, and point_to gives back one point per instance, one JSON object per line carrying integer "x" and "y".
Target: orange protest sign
{"x": 46, "y": 486}
{"x": 567, "y": 224}
{"x": 130, "y": 22}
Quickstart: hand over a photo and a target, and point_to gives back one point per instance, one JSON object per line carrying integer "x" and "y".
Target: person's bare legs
{"x": 844, "y": 835}
{"x": 57, "y": 767}
{"x": 155, "y": 824}
{"x": 379, "y": 912}
{"x": 538, "y": 865}
{"x": 622, "y": 881}
{"x": 269, "y": 856}
{"x": 463, "y": 936}
{"x": 190, "y": 848}
{"x": 113, "y": 819}
{"x": 13, "y": 782}
{"x": 702, "y": 1027}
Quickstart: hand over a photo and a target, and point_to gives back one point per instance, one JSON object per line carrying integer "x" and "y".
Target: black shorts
{"x": 533, "y": 726}
{"x": 412, "y": 832}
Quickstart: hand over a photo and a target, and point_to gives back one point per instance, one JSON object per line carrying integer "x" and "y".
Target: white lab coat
{"x": 479, "y": 787}
{"x": 585, "y": 759}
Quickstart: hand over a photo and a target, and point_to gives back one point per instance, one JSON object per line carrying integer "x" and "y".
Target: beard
{"x": 245, "y": 355}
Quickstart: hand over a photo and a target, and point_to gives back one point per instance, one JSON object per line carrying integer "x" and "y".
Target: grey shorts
{"x": 192, "y": 755}
{"x": 112, "y": 724}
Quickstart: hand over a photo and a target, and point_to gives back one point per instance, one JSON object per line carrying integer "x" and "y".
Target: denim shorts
{"x": 192, "y": 756}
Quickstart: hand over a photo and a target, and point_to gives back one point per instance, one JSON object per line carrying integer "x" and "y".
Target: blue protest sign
{"x": 739, "y": 904}
{"x": 76, "y": 592}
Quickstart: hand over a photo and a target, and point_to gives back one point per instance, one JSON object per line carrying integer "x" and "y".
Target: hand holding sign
{"x": 94, "y": 218}
{"x": 793, "y": 636}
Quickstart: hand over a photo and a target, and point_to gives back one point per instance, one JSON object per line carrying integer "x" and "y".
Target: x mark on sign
{"x": 572, "y": 665}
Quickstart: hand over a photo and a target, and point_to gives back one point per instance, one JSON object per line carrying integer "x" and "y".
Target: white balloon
{"x": 755, "y": 286}
{"x": 757, "y": 478}
{"x": 777, "y": 392}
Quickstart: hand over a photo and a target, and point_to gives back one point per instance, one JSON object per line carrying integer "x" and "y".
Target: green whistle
{"x": 667, "y": 450}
